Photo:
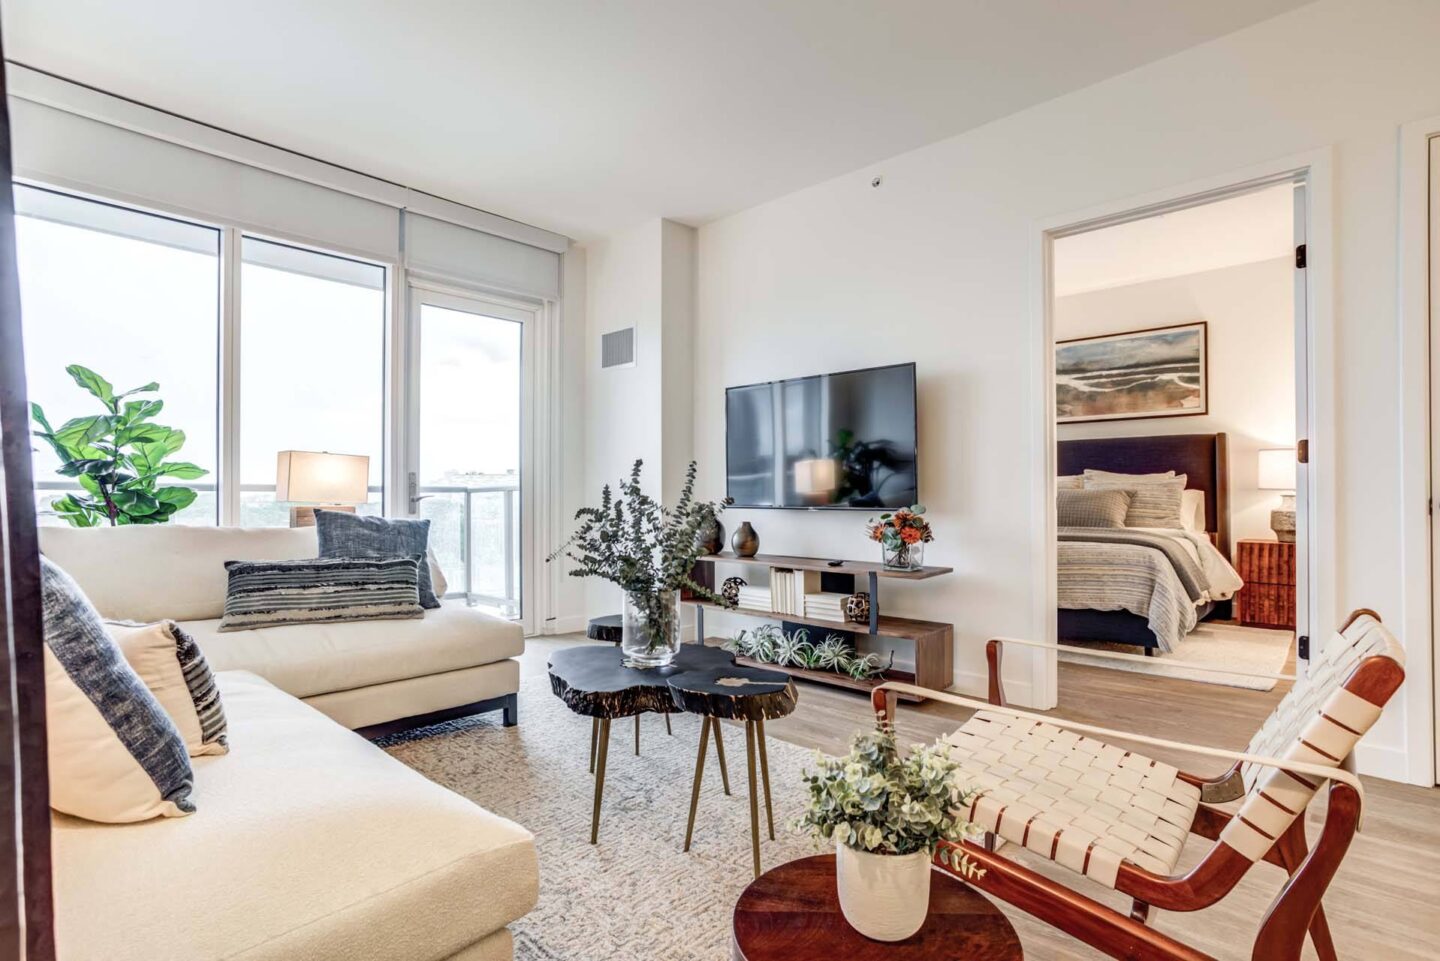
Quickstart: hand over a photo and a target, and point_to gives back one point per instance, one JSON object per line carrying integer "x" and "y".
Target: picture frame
{"x": 1133, "y": 374}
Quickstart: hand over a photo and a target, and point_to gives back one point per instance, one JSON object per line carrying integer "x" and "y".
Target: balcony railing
{"x": 473, "y": 531}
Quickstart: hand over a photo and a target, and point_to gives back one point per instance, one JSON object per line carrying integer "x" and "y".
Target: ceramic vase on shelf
{"x": 885, "y": 897}
{"x": 650, "y": 628}
{"x": 746, "y": 542}
{"x": 905, "y": 557}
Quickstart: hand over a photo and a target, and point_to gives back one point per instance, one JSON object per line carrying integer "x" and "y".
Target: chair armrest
{"x": 995, "y": 644}
{"x": 885, "y": 705}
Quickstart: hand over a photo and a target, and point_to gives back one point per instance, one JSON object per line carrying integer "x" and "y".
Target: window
{"x": 135, "y": 298}
{"x": 312, "y": 367}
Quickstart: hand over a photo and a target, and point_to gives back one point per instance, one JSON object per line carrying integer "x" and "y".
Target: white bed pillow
{"x": 1069, "y": 482}
{"x": 1192, "y": 511}
{"x": 1106, "y": 475}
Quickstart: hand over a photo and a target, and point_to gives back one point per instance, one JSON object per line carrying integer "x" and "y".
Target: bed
{"x": 1142, "y": 586}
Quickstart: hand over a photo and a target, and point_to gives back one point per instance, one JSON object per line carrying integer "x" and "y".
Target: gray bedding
{"x": 1150, "y": 575}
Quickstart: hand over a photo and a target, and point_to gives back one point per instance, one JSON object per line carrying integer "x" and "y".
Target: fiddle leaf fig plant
{"x": 119, "y": 457}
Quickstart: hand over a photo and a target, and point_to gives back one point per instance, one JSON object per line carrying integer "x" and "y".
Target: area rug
{"x": 635, "y": 894}
{"x": 1223, "y": 645}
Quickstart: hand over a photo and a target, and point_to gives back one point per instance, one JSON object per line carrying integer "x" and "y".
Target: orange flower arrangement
{"x": 899, "y": 532}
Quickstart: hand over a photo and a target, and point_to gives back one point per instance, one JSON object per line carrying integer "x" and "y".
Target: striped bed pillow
{"x": 321, "y": 590}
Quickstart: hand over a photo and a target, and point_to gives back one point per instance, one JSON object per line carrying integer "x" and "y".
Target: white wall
{"x": 1249, "y": 310}
{"x": 644, "y": 278}
{"x": 935, "y": 266}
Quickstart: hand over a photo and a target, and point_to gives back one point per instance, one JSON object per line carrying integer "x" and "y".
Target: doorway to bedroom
{"x": 1179, "y": 427}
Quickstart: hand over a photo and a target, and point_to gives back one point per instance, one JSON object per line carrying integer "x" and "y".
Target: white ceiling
{"x": 586, "y": 117}
{"x": 1239, "y": 230}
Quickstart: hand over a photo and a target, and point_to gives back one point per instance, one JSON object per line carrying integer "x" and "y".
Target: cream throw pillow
{"x": 114, "y": 754}
{"x": 170, "y": 663}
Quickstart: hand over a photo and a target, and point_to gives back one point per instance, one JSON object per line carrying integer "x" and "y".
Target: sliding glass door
{"x": 467, "y": 449}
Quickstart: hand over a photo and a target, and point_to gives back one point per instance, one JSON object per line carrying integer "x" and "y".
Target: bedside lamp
{"x": 332, "y": 482}
{"x": 1277, "y": 473}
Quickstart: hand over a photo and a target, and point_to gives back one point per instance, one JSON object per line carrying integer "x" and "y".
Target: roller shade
{"x": 70, "y": 151}
{"x": 449, "y": 252}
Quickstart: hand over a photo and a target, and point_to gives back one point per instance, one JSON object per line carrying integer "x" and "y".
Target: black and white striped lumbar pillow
{"x": 172, "y": 666}
{"x": 321, "y": 590}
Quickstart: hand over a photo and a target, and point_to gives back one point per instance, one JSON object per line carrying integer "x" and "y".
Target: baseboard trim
{"x": 1018, "y": 691}
{"x": 1383, "y": 761}
{"x": 573, "y": 624}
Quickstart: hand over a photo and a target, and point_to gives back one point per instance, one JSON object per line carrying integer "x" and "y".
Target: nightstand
{"x": 1268, "y": 570}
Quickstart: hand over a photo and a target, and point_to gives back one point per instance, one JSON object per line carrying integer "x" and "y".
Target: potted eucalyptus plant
{"x": 648, "y": 550}
{"x": 885, "y": 813}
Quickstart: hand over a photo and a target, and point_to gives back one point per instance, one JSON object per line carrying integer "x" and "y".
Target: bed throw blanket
{"x": 1149, "y": 575}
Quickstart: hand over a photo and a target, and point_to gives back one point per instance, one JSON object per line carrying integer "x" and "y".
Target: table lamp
{"x": 324, "y": 481}
{"x": 1277, "y": 473}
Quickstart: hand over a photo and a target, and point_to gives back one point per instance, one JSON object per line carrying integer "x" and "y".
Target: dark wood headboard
{"x": 1200, "y": 457}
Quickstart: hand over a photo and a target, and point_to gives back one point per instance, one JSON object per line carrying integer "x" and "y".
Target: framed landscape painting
{"x": 1140, "y": 373}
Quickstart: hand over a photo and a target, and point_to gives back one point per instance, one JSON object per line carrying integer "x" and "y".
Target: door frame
{"x": 1419, "y": 400}
{"x": 1314, "y": 169}
{"x": 537, "y": 339}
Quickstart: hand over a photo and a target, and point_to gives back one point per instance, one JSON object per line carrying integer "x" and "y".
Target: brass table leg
{"x": 594, "y": 740}
{"x": 720, "y": 753}
{"x": 765, "y": 775}
{"x": 699, "y": 773}
{"x": 754, "y": 803}
{"x": 599, "y": 779}
{"x": 637, "y": 735}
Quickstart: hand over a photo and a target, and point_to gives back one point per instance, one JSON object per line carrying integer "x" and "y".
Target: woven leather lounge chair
{"x": 1061, "y": 791}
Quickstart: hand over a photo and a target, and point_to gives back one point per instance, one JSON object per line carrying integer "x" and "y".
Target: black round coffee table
{"x": 594, "y": 682}
{"x": 748, "y": 694}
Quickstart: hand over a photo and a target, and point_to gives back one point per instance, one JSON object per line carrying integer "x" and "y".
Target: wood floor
{"x": 1384, "y": 905}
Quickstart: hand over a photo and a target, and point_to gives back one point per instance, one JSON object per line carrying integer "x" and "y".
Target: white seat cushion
{"x": 309, "y": 659}
{"x": 308, "y": 843}
{"x": 1080, "y": 802}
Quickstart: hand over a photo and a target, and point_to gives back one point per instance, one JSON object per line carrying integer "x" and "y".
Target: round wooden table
{"x": 792, "y": 913}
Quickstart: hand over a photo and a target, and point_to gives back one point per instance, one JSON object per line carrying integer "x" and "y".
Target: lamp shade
{"x": 815, "y": 475}
{"x": 318, "y": 477}
{"x": 1277, "y": 469}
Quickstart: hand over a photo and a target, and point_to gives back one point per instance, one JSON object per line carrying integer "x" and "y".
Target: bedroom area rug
{"x": 626, "y": 897}
{"x": 1226, "y": 645}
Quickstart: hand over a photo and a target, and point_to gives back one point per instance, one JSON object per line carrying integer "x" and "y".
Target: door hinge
{"x": 1300, "y": 257}
{"x": 1302, "y": 647}
{"x": 1302, "y": 451}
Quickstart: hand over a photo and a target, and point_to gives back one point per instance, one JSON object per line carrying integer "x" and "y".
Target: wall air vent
{"x": 617, "y": 348}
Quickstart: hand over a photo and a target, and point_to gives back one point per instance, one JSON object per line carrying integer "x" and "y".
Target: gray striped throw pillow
{"x": 1091, "y": 508}
{"x": 1155, "y": 503}
{"x": 321, "y": 590}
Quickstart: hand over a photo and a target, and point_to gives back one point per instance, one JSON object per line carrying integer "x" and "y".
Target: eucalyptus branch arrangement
{"x": 875, "y": 799}
{"x": 642, "y": 546}
{"x": 118, "y": 458}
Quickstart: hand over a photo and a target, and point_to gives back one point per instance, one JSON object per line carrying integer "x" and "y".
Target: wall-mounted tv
{"x": 843, "y": 440}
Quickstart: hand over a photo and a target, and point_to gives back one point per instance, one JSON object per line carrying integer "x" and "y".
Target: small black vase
{"x": 746, "y": 542}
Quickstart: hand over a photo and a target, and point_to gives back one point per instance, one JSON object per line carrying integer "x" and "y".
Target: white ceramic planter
{"x": 884, "y": 896}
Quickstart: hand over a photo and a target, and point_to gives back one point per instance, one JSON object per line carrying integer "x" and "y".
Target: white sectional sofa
{"x": 308, "y": 843}
{"x": 455, "y": 660}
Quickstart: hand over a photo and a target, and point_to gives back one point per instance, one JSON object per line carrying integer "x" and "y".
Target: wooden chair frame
{"x": 1294, "y": 911}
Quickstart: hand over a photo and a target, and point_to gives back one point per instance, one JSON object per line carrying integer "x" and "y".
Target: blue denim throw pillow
{"x": 76, "y": 636}
{"x": 352, "y": 535}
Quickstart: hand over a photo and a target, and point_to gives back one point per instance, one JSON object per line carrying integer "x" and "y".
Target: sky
{"x": 311, "y": 354}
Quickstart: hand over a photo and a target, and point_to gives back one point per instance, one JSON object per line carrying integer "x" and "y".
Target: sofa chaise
{"x": 454, "y": 661}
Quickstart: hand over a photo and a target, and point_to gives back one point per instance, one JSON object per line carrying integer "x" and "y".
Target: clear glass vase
{"x": 905, "y": 557}
{"x": 650, "y": 629}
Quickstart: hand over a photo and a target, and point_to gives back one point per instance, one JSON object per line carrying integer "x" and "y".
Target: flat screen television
{"x": 843, "y": 440}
